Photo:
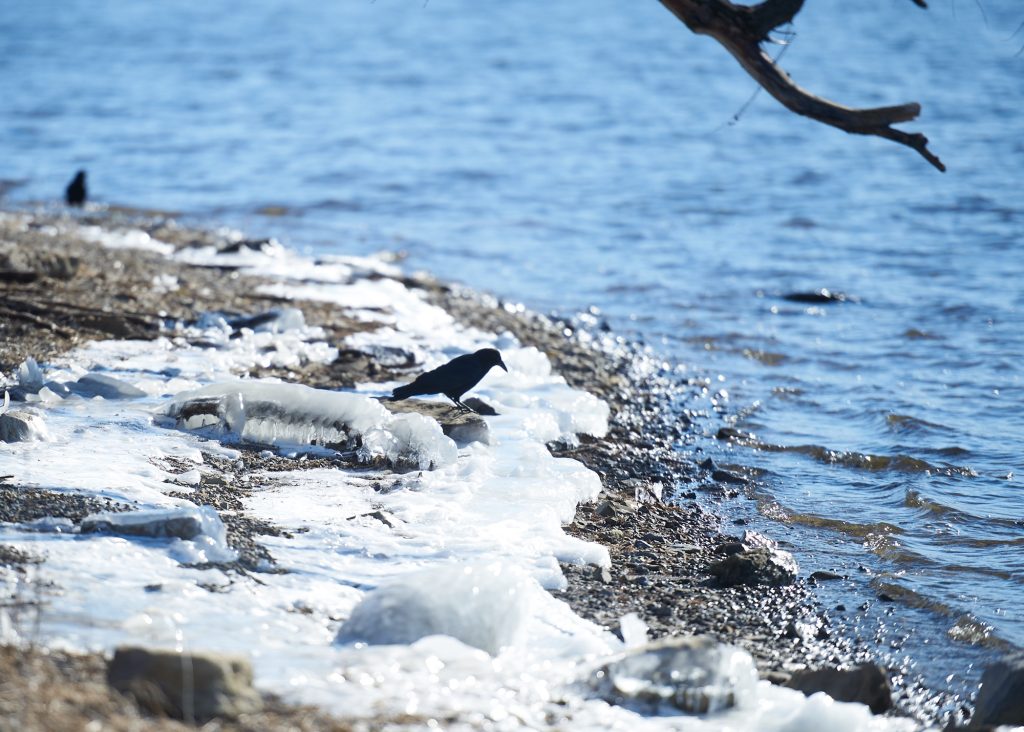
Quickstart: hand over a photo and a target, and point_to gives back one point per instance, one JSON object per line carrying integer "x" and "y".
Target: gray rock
{"x": 865, "y": 684}
{"x": 1001, "y": 699}
{"x": 755, "y": 567}
{"x": 187, "y": 686}
{"x": 108, "y": 387}
{"x": 21, "y": 427}
{"x": 462, "y": 427}
{"x": 694, "y": 674}
{"x": 183, "y": 523}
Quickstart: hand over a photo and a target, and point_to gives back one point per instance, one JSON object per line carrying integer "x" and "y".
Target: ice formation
{"x": 693, "y": 674}
{"x": 483, "y": 606}
{"x": 197, "y": 533}
{"x": 287, "y": 415}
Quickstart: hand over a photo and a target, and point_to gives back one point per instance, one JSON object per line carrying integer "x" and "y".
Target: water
{"x": 570, "y": 156}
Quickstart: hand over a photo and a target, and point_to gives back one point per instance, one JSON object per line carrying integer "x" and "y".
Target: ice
{"x": 197, "y": 533}
{"x": 101, "y": 385}
{"x": 633, "y": 629}
{"x": 124, "y": 239}
{"x": 30, "y": 376}
{"x": 289, "y": 415}
{"x": 693, "y": 674}
{"x": 483, "y": 606}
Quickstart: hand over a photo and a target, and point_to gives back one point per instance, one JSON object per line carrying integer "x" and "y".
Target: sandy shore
{"x": 58, "y": 292}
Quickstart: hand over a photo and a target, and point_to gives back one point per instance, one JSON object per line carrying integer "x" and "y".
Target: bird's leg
{"x": 463, "y": 408}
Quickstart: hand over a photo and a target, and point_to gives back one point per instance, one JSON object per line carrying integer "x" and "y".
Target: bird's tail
{"x": 402, "y": 392}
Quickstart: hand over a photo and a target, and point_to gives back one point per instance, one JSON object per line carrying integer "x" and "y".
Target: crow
{"x": 75, "y": 193}
{"x": 454, "y": 378}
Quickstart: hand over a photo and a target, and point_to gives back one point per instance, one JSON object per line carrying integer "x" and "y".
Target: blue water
{"x": 585, "y": 154}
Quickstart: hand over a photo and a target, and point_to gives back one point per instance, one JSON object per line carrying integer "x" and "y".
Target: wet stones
{"x": 187, "y": 686}
{"x": 864, "y": 684}
{"x": 23, "y": 505}
{"x": 1001, "y": 699}
{"x": 694, "y": 674}
{"x": 755, "y": 567}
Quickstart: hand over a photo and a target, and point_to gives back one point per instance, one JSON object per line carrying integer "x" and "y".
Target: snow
{"x": 421, "y": 592}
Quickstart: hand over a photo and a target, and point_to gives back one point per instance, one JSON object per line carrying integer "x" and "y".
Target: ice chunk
{"x": 108, "y": 387}
{"x": 50, "y": 525}
{"x": 272, "y": 321}
{"x": 293, "y": 414}
{"x": 198, "y": 532}
{"x": 21, "y": 426}
{"x": 694, "y": 674}
{"x": 633, "y": 629}
{"x": 482, "y": 606}
{"x": 410, "y": 439}
{"x": 30, "y": 376}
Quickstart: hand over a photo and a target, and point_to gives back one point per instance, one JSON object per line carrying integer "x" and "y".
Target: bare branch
{"x": 741, "y": 29}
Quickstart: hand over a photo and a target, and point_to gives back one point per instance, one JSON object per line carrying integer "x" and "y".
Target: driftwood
{"x": 742, "y": 29}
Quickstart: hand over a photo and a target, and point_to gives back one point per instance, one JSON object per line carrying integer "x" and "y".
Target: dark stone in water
{"x": 1001, "y": 699}
{"x": 865, "y": 684}
{"x": 817, "y": 297}
{"x": 726, "y": 476}
{"x": 822, "y": 576}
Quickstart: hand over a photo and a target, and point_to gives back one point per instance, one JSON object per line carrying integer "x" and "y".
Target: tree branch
{"x": 741, "y": 29}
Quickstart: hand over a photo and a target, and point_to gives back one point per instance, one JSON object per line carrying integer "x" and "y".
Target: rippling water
{"x": 579, "y": 154}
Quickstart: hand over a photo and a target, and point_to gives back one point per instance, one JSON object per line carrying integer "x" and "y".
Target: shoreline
{"x": 660, "y": 551}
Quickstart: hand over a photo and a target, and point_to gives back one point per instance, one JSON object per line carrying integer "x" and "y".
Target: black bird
{"x": 75, "y": 193}
{"x": 453, "y": 379}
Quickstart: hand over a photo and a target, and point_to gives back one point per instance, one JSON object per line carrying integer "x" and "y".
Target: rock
{"x": 186, "y": 686}
{"x": 779, "y": 678}
{"x": 865, "y": 684}
{"x": 21, "y": 427}
{"x": 108, "y": 387}
{"x": 726, "y": 476}
{"x": 823, "y": 296}
{"x": 182, "y": 523}
{"x": 602, "y": 574}
{"x": 755, "y": 567}
{"x": 1001, "y": 699}
{"x": 695, "y": 674}
{"x": 823, "y": 576}
{"x": 756, "y": 540}
{"x": 462, "y": 427}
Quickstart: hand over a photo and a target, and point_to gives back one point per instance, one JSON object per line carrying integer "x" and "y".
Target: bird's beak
{"x": 502, "y": 364}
